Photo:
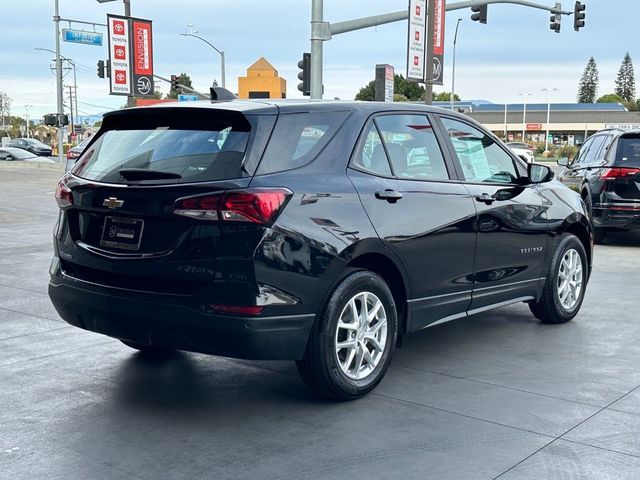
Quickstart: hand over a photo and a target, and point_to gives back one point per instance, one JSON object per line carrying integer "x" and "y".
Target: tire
{"x": 598, "y": 233}
{"x": 333, "y": 372}
{"x": 149, "y": 350}
{"x": 551, "y": 308}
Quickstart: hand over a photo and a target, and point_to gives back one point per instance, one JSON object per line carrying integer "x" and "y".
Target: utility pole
{"x": 524, "y": 115}
{"x": 546, "y": 140}
{"x": 453, "y": 73}
{"x": 428, "y": 82}
{"x": 127, "y": 13}
{"x": 317, "y": 11}
{"x": 26, "y": 109}
{"x": 71, "y": 109}
{"x": 505, "y": 123}
{"x": 56, "y": 20}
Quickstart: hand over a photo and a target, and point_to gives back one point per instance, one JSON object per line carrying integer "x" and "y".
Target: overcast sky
{"x": 515, "y": 52}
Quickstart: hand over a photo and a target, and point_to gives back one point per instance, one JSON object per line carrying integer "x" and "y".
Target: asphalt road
{"x": 497, "y": 395}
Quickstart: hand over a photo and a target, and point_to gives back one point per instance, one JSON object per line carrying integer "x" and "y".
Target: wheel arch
{"x": 584, "y": 234}
{"x": 393, "y": 276}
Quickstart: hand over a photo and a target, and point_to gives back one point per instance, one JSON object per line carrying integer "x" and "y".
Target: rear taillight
{"x": 259, "y": 206}
{"x": 71, "y": 155}
{"x": 64, "y": 196}
{"x": 613, "y": 173}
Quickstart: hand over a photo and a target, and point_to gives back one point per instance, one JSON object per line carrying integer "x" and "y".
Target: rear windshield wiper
{"x": 134, "y": 174}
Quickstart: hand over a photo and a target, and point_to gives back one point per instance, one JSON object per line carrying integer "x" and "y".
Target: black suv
{"x": 320, "y": 232}
{"x": 606, "y": 173}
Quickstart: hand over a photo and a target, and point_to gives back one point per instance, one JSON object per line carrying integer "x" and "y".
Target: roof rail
{"x": 221, "y": 94}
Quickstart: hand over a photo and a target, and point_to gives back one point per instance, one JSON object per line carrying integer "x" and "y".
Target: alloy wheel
{"x": 570, "y": 279}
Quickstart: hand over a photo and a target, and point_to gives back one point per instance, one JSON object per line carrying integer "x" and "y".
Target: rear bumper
{"x": 625, "y": 218}
{"x": 166, "y": 324}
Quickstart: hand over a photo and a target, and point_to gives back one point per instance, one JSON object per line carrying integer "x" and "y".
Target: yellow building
{"x": 262, "y": 81}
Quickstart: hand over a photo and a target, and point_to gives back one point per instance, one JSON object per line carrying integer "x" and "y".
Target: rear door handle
{"x": 486, "y": 198}
{"x": 389, "y": 195}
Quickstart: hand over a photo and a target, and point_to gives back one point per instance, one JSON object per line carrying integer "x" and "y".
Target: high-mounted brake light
{"x": 259, "y": 206}
{"x": 64, "y": 196}
{"x": 613, "y": 173}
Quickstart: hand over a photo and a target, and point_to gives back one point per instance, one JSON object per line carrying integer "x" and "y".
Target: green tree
{"x": 588, "y": 87}
{"x": 445, "y": 97}
{"x": 183, "y": 79}
{"x": 401, "y": 86}
{"x": 626, "y": 80}
{"x": 367, "y": 93}
{"x": 610, "y": 98}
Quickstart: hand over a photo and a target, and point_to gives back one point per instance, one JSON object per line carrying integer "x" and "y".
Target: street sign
{"x": 130, "y": 56}
{"x": 417, "y": 40}
{"x": 384, "y": 83}
{"x": 438, "y": 42}
{"x": 142, "y": 55}
{"x": 82, "y": 36}
{"x": 187, "y": 98}
{"x": 119, "y": 55}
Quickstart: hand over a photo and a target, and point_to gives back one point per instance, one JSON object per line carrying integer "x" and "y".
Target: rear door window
{"x": 628, "y": 151}
{"x": 298, "y": 138}
{"x": 371, "y": 156}
{"x": 412, "y": 147}
{"x": 189, "y": 148}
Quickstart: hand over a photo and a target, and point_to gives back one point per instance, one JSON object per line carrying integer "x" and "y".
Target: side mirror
{"x": 563, "y": 162}
{"x": 539, "y": 173}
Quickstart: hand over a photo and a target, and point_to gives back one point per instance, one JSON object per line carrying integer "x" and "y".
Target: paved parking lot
{"x": 493, "y": 396}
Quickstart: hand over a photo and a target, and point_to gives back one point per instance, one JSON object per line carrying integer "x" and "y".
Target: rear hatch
{"x": 623, "y": 178}
{"x": 143, "y": 208}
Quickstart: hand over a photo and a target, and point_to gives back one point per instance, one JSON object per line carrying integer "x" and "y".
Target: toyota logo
{"x": 120, "y": 77}
{"x": 118, "y": 27}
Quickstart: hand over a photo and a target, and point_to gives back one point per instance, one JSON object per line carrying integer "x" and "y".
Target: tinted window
{"x": 594, "y": 150}
{"x": 583, "y": 151}
{"x": 412, "y": 147}
{"x": 481, "y": 158}
{"x": 371, "y": 156}
{"x": 298, "y": 138}
{"x": 628, "y": 151}
{"x": 198, "y": 149}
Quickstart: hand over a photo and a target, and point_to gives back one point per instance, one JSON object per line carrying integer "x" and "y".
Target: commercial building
{"x": 569, "y": 122}
{"x": 262, "y": 81}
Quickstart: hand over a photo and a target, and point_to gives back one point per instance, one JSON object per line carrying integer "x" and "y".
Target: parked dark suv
{"x": 606, "y": 173}
{"x": 320, "y": 232}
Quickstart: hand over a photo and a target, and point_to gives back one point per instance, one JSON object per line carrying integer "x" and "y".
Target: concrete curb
{"x": 18, "y": 164}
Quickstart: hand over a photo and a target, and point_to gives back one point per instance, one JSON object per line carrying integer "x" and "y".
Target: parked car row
{"x": 320, "y": 232}
{"x": 18, "y": 154}
{"x": 31, "y": 145}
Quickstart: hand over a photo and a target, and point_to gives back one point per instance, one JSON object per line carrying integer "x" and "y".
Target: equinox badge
{"x": 112, "y": 203}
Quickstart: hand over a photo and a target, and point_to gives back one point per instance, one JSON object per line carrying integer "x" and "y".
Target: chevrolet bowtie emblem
{"x": 112, "y": 202}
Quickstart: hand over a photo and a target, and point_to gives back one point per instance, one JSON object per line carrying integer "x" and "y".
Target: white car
{"x": 524, "y": 153}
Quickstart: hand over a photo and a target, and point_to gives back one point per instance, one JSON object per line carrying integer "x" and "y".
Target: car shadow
{"x": 622, "y": 239}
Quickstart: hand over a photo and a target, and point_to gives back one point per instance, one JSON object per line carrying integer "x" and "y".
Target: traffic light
{"x": 305, "y": 74}
{"x": 174, "y": 83}
{"x": 578, "y": 16}
{"x": 479, "y": 14}
{"x": 101, "y": 68}
{"x": 556, "y": 19}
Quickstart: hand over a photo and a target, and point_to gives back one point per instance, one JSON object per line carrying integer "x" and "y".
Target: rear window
{"x": 298, "y": 138}
{"x": 628, "y": 151}
{"x": 192, "y": 148}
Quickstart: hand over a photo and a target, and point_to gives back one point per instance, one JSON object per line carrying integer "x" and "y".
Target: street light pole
{"x": 453, "y": 73}
{"x": 428, "y": 82}
{"x": 317, "y": 12}
{"x": 524, "y": 114}
{"x": 26, "y": 109}
{"x": 546, "y": 140}
{"x": 220, "y": 52}
{"x": 505, "y": 123}
{"x": 56, "y": 20}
